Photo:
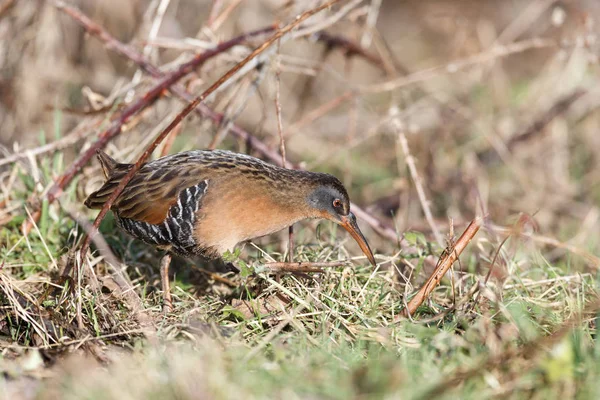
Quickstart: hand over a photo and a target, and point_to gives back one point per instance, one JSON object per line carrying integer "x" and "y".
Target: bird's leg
{"x": 164, "y": 281}
{"x": 290, "y": 251}
{"x": 291, "y": 244}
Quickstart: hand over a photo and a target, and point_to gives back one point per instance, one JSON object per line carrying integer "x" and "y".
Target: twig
{"x": 443, "y": 265}
{"x": 318, "y": 112}
{"x": 128, "y": 295}
{"x": 589, "y": 257}
{"x": 278, "y": 113}
{"x": 214, "y": 11}
{"x": 561, "y": 106}
{"x": 303, "y": 266}
{"x": 328, "y": 21}
{"x": 159, "y": 11}
{"x": 282, "y": 142}
{"x": 5, "y": 6}
{"x": 215, "y": 23}
{"x": 455, "y": 66}
{"x": 191, "y": 106}
{"x": 370, "y": 23}
{"x": 170, "y": 140}
{"x": 410, "y": 162}
{"x": 216, "y": 277}
{"x": 76, "y": 135}
{"x": 350, "y": 48}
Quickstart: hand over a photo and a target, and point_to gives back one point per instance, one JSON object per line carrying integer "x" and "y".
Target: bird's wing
{"x": 149, "y": 194}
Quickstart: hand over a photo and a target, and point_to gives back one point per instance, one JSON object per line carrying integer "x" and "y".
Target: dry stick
{"x": 458, "y": 65}
{"x": 191, "y": 106}
{"x": 379, "y": 226}
{"x": 410, "y": 162}
{"x": 303, "y": 266}
{"x": 130, "y": 296}
{"x": 443, "y": 266}
{"x": 372, "y": 15}
{"x": 282, "y": 142}
{"x": 169, "y": 141}
{"x": 290, "y": 267}
{"x": 214, "y": 11}
{"x": 561, "y": 106}
{"x": 326, "y": 21}
{"x": 318, "y": 112}
{"x": 589, "y": 257}
{"x": 215, "y": 276}
{"x": 159, "y": 12}
{"x": 558, "y": 108}
{"x": 216, "y": 23}
{"x": 76, "y": 135}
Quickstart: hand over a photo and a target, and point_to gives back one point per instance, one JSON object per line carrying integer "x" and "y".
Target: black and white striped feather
{"x": 175, "y": 233}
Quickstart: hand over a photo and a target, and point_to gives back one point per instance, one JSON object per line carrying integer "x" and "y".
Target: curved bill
{"x": 349, "y": 223}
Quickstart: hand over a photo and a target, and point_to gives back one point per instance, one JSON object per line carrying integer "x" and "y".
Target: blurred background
{"x": 498, "y": 100}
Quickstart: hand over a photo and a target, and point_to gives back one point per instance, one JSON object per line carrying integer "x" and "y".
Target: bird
{"x": 205, "y": 202}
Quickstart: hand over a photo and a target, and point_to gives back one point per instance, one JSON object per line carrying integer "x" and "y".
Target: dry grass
{"x": 437, "y": 112}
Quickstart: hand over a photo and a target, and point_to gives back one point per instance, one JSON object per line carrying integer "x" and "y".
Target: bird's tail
{"x": 114, "y": 172}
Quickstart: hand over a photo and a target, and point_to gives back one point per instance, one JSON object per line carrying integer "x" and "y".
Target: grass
{"x": 332, "y": 335}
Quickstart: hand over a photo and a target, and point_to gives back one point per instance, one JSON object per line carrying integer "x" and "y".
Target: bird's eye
{"x": 337, "y": 203}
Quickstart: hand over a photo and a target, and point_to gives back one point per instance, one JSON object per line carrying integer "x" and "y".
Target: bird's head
{"x": 330, "y": 200}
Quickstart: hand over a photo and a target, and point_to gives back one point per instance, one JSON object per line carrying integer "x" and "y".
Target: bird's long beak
{"x": 349, "y": 223}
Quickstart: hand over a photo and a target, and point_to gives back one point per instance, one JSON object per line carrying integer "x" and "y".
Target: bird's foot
{"x": 232, "y": 268}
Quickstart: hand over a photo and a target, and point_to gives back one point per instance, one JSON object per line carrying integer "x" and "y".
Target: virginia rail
{"x": 202, "y": 203}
